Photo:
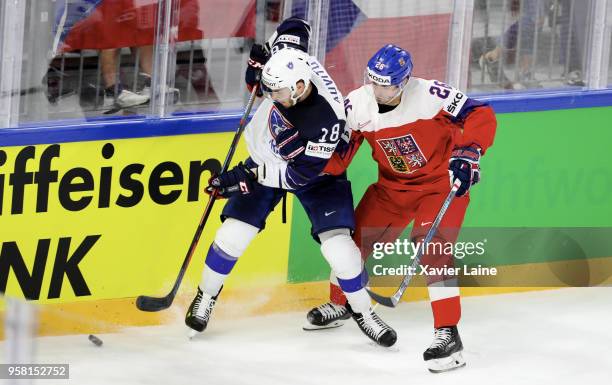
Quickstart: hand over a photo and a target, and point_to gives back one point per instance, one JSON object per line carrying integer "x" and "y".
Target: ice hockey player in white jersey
{"x": 290, "y": 139}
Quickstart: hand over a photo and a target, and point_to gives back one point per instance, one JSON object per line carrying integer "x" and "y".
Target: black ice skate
{"x": 444, "y": 354}
{"x": 326, "y": 316}
{"x": 376, "y": 329}
{"x": 199, "y": 312}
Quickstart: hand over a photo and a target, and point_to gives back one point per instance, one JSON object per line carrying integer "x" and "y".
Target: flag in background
{"x": 356, "y": 29}
{"x": 67, "y": 14}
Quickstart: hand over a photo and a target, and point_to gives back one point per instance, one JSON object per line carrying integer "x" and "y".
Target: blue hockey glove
{"x": 257, "y": 59}
{"x": 238, "y": 180}
{"x": 289, "y": 143}
{"x": 464, "y": 165}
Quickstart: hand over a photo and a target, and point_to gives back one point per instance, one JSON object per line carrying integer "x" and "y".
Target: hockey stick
{"x": 146, "y": 303}
{"x": 395, "y": 298}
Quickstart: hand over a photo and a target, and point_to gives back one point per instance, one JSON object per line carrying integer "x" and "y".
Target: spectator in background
{"x": 114, "y": 91}
{"x": 572, "y": 16}
{"x": 516, "y": 45}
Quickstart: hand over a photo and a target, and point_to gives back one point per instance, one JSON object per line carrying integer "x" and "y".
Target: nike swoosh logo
{"x": 329, "y": 213}
{"x": 425, "y": 223}
{"x": 362, "y": 125}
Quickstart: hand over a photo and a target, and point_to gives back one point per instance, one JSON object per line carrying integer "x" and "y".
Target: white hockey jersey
{"x": 412, "y": 142}
{"x": 320, "y": 121}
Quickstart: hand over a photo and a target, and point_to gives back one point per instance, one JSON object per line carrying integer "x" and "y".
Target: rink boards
{"x": 90, "y": 220}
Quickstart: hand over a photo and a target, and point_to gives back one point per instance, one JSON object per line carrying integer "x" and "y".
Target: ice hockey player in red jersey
{"x": 421, "y": 131}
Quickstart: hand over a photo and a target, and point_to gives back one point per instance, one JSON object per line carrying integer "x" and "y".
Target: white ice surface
{"x": 547, "y": 337}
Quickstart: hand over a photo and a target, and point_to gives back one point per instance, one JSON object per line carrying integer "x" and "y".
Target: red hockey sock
{"x": 336, "y": 295}
{"x": 446, "y": 312}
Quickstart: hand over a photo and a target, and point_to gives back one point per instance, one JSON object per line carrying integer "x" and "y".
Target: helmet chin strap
{"x": 294, "y": 98}
{"x": 399, "y": 92}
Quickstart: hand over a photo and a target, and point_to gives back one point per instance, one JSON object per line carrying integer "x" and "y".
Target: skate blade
{"x": 309, "y": 327}
{"x": 192, "y": 333}
{"x": 441, "y": 365}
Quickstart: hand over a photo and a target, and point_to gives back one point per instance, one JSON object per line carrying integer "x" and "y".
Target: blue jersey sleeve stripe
{"x": 469, "y": 106}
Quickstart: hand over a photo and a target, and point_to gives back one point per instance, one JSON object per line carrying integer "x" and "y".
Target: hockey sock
{"x": 344, "y": 257}
{"x": 336, "y": 295}
{"x": 355, "y": 293}
{"x": 217, "y": 267}
{"x": 446, "y": 312}
{"x": 231, "y": 241}
{"x": 445, "y": 305}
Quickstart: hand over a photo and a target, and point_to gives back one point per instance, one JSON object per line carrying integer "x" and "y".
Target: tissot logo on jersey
{"x": 320, "y": 150}
{"x": 403, "y": 153}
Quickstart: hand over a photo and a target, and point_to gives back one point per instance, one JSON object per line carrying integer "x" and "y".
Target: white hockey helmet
{"x": 282, "y": 73}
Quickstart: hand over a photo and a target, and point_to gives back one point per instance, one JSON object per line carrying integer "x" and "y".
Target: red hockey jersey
{"x": 412, "y": 143}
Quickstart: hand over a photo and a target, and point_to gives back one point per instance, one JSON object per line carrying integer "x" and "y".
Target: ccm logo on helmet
{"x": 268, "y": 83}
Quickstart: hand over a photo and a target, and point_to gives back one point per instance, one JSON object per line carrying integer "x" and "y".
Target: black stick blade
{"x": 385, "y": 301}
{"x": 146, "y": 303}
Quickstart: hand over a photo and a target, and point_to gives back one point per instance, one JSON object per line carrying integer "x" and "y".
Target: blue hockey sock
{"x": 355, "y": 293}
{"x": 354, "y": 284}
{"x": 217, "y": 267}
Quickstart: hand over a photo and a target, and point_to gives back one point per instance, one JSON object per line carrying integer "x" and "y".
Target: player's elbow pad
{"x": 480, "y": 128}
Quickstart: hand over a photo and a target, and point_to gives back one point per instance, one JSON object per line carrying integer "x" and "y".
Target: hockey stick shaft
{"x": 395, "y": 298}
{"x": 146, "y": 303}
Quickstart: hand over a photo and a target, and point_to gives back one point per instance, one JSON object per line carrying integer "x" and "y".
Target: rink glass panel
{"x": 52, "y": 67}
{"x": 537, "y": 44}
{"x": 62, "y": 68}
{"x": 357, "y": 29}
{"x": 608, "y": 34}
{"x": 61, "y": 65}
